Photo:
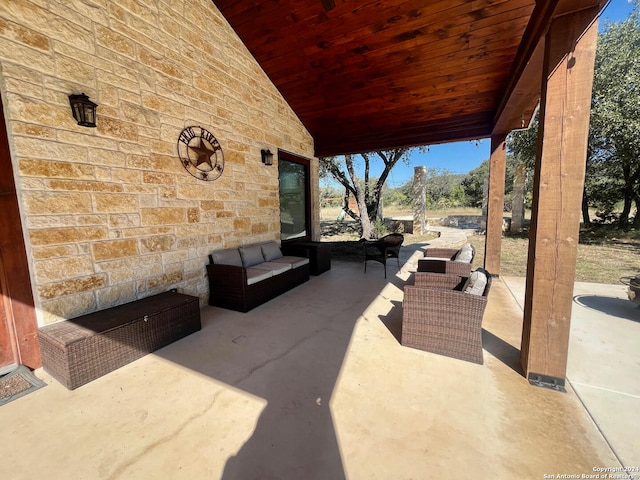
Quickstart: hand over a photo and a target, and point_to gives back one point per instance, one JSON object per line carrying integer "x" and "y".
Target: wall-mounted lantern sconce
{"x": 267, "y": 157}
{"x": 83, "y": 109}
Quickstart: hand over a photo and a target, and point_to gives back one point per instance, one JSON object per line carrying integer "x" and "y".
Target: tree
{"x": 521, "y": 150}
{"x": 366, "y": 190}
{"x": 473, "y": 184}
{"x": 522, "y": 144}
{"x": 443, "y": 186}
{"x": 330, "y": 195}
{"x": 612, "y": 170}
{"x": 615, "y": 116}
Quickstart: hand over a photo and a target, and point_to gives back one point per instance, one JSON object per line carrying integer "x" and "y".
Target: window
{"x": 295, "y": 202}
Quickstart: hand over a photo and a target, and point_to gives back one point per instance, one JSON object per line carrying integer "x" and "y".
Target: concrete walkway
{"x": 449, "y": 237}
{"x": 312, "y": 385}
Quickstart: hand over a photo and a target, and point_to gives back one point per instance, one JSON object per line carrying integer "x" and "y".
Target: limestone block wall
{"x": 109, "y": 213}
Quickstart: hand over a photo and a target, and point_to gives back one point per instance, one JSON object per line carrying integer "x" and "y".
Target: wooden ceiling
{"x": 365, "y": 75}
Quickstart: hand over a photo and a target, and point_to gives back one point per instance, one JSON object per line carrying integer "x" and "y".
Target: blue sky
{"x": 461, "y": 157}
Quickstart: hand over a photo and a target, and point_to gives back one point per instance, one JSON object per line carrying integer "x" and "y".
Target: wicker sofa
{"x": 443, "y": 313}
{"x": 448, "y": 260}
{"x": 243, "y": 278}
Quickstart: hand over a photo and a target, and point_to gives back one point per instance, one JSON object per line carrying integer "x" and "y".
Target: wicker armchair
{"x": 383, "y": 248}
{"x": 439, "y": 317}
{"x": 443, "y": 260}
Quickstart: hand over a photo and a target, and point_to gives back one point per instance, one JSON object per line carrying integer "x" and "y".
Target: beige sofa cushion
{"x": 476, "y": 283}
{"x": 465, "y": 254}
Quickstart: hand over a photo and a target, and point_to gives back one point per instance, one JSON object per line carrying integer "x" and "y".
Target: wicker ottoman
{"x": 77, "y": 351}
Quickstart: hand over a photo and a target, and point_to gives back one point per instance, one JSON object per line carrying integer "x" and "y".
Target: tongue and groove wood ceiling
{"x": 364, "y": 75}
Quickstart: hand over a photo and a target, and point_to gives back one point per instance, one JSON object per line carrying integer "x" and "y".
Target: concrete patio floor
{"x": 315, "y": 385}
{"x": 604, "y": 362}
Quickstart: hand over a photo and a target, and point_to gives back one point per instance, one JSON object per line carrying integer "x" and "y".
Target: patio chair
{"x": 448, "y": 260}
{"x": 383, "y": 248}
{"x": 442, "y": 314}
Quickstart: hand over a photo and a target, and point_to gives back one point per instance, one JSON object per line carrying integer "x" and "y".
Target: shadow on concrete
{"x": 393, "y": 320}
{"x": 617, "y": 307}
{"x": 289, "y": 352}
{"x": 501, "y": 350}
{"x": 496, "y": 346}
{"x": 407, "y": 251}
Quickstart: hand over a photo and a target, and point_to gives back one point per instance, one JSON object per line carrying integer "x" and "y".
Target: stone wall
{"x": 109, "y": 213}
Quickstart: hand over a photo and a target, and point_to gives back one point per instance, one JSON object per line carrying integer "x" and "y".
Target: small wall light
{"x": 267, "y": 157}
{"x": 83, "y": 109}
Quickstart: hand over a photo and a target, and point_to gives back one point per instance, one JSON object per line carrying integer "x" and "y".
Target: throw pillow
{"x": 271, "y": 251}
{"x": 476, "y": 283}
{"x": 251, "y": 255}
{"x": 465, "y": 254}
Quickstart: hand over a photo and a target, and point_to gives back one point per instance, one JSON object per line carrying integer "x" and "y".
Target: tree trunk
{"x": 623, "y": 222}
{"x": 585, "y": 209}
{"x": 367, "y": 229}
{"x": 635, "y": 188}
{"x": 517, "y": 198}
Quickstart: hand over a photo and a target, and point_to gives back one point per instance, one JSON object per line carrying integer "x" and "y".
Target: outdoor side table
{"x": 318, "y": 253}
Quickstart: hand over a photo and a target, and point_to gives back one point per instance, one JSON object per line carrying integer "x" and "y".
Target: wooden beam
{"x": 557, "y": 195}
{"x": 345, "y": 144}
{"x": 17, "y": 311}
{"x": 495, "y": 206}
{"x": 522, "y": 92}
{"x": 380, "y": 67}
{"x": 538, "y": 25}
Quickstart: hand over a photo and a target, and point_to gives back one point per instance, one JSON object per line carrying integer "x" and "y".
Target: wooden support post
{"x": 495, "y": 205}
{"x": 557, "y": 195}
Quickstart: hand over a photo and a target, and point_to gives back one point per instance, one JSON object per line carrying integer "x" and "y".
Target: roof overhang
{"x": 369, "y": 75}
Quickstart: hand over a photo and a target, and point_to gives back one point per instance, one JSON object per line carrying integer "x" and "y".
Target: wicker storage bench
{"x": 77, "y": 351}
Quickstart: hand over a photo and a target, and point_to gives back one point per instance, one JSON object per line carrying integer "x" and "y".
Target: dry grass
{"x": 331, "y": 213}
{"x": 594, "y": 263}
{"x": 603, "y": 256}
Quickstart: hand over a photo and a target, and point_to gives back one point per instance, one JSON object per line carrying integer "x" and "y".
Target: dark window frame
{"x": 306, "y": 163}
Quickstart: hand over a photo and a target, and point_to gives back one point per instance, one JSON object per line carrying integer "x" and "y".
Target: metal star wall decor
{"x": 200, "y": 153}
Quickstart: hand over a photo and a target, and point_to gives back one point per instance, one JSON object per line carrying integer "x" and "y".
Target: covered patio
{"x": 315, "y": 384}
{"x": 363, "y": 77}
{"x": 352, "y": 77}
